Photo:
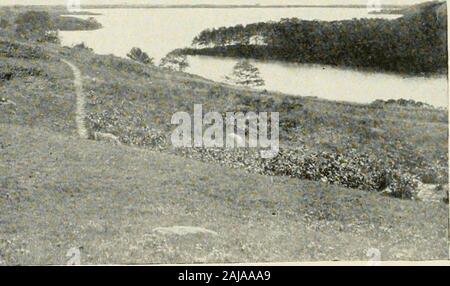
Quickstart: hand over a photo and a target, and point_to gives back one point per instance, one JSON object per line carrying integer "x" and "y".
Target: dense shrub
{"x": 379, "y": 103}
{"x": 36, "y": 25}
{"x": 82, "y": 46}
{"x": 353, "y": 170}
{"x": 9, "y": 72}
{"x": 19, "y": 50}
{"x": 138, "y": 133}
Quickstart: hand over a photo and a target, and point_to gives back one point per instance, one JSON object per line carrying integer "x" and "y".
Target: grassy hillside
{"x": 136, "y": 103}
{"x": 59, "y": 192}
{"x": 413, "y": 140}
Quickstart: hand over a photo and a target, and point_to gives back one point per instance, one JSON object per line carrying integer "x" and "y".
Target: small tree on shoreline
{"x": 136, "y": 54}
{"x": 244, "y": 73}
{"x": 174, "y": 61}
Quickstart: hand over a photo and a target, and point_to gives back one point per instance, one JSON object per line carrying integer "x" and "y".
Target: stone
{"x": 184, "y": 230}
{"x": 106, "y": 137}
{"x": 432, "y": 193}
{"x": 4, "y": 101}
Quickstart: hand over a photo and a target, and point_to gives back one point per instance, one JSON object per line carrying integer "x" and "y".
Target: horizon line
{"x": 228, "y": 6}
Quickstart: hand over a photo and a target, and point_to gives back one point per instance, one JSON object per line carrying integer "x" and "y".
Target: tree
{"x": 174, "y": 61}
{"x": 244, "y": 73}
{"x": 136, "y": 54}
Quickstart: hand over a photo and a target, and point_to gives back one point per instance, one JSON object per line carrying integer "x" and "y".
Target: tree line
{"x": 411, "y": 44}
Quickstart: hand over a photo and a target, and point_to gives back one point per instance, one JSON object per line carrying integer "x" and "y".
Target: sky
{"x": 262, "y": 2}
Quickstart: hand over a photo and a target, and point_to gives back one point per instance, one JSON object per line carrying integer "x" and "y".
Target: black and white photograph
{"x": 224, "y": 132}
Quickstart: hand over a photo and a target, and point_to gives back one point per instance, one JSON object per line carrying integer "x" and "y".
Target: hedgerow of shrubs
{"x": 9, "y": 72}
{"x": 400, "y": 102}
{"x": 352, "y": 169}
{"x": 123, "y": 65}
{"x": 17, "y": 50}
{"x": 356, "y": 171}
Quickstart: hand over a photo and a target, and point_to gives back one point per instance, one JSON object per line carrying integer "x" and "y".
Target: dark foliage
{"x": 400, "y": 102}
{"x": 76, "y": 24}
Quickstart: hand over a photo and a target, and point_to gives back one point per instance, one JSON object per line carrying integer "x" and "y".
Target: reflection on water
{"x": 159, "y": 31}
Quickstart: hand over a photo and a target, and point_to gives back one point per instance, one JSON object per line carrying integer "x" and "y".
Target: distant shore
{"x": 414, "y": 44}
{"x": 209, "y": 6}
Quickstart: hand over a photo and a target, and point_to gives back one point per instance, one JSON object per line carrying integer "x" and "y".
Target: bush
{"x": 34, "y": 25}
{"x": 82, "y": 46}
{"x": 403, "y": 185}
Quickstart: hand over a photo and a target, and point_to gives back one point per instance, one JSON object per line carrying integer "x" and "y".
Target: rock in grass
{"x": 107, "y": 137}
{"x": 184, "y": 230}
{"x": 5, "y": 101}
{"x": 432, "y": 193}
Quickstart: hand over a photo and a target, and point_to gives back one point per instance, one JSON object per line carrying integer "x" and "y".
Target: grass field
{"x": 58, "y": 191}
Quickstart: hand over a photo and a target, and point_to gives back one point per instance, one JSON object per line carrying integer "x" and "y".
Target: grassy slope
{"x": 153, "y": 96}
{"x": 58, "y": 192}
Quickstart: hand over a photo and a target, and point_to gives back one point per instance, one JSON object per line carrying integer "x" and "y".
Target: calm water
{"x": 159, "y": 31}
